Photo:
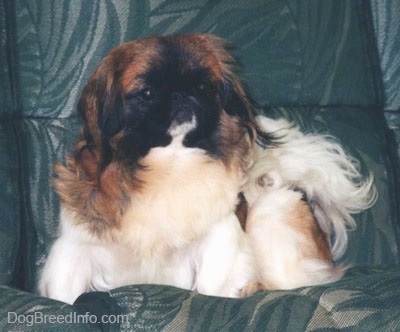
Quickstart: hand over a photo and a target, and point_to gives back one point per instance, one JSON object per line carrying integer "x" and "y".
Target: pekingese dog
{"x": 175, "y": 181}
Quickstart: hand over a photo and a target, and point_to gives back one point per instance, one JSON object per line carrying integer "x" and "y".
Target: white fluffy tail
{"x": 318, "y": 166}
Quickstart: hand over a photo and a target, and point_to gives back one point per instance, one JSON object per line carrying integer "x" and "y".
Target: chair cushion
{"x": 10, "y": 224}
{"x": 386, "y": 16}
{"x": 23, "y": 311}
{"x": 308, "y": 53}
{"x": 292, "y": 55}
{"x": 365, "y": 300}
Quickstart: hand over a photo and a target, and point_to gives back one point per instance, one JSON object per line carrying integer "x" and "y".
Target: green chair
{"x": 330, "y": 66}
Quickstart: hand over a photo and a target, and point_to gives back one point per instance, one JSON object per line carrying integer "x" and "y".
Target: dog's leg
{"x": 290, "y": 248}
{"x": 67, "y": 272}
{"x": 224, "y": 263}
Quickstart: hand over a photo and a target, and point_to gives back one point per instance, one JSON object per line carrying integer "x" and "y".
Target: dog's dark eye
{"x": 202, "y": 87}
{"x": 147, "y": 93}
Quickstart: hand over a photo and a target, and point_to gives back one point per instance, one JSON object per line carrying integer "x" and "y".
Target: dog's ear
{"x": 101, "y": 108}
{"x": 235, "y": 100}
{"x": 233, "y": 96}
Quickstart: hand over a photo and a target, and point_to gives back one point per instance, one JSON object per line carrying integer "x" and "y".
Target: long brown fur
{"x": 156, "y": 186}
{"x": 99, "y": 196}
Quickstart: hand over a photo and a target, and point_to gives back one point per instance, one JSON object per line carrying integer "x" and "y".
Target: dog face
{"x": 144, "y": 95}
{"x": 147, "y": 92}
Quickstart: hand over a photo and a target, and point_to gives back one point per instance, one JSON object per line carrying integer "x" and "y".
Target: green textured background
{"x": 331, "y": 66}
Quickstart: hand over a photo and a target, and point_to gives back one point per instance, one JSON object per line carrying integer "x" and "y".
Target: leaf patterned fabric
{"x": 292, "y": 52}
{"x": 365, "y": 300}
{"x": 386, "y": 16}
{"x": 315, "y": 63}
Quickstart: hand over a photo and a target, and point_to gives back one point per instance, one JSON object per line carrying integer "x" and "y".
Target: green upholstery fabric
{"x": 9, "y": 197}
{"x": 10, "y": 217}
{"x": 293, "y": 52}
{"x": 365, "y": 300}
{"x": 386, "y": 16}
{"x": 330, "y": 66}
{"x": 27, "y": 312}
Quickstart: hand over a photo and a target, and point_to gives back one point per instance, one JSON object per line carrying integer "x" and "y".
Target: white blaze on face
{"x": 178, "y": 131}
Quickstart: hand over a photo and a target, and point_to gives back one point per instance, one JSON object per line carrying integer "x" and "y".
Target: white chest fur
{"x": 184, "y": 193}
{"x": 179, "y": 229}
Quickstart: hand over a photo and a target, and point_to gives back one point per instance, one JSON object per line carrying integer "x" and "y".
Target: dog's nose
{"x": 181, "y": 108}
{"x": 181, "y": 115}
